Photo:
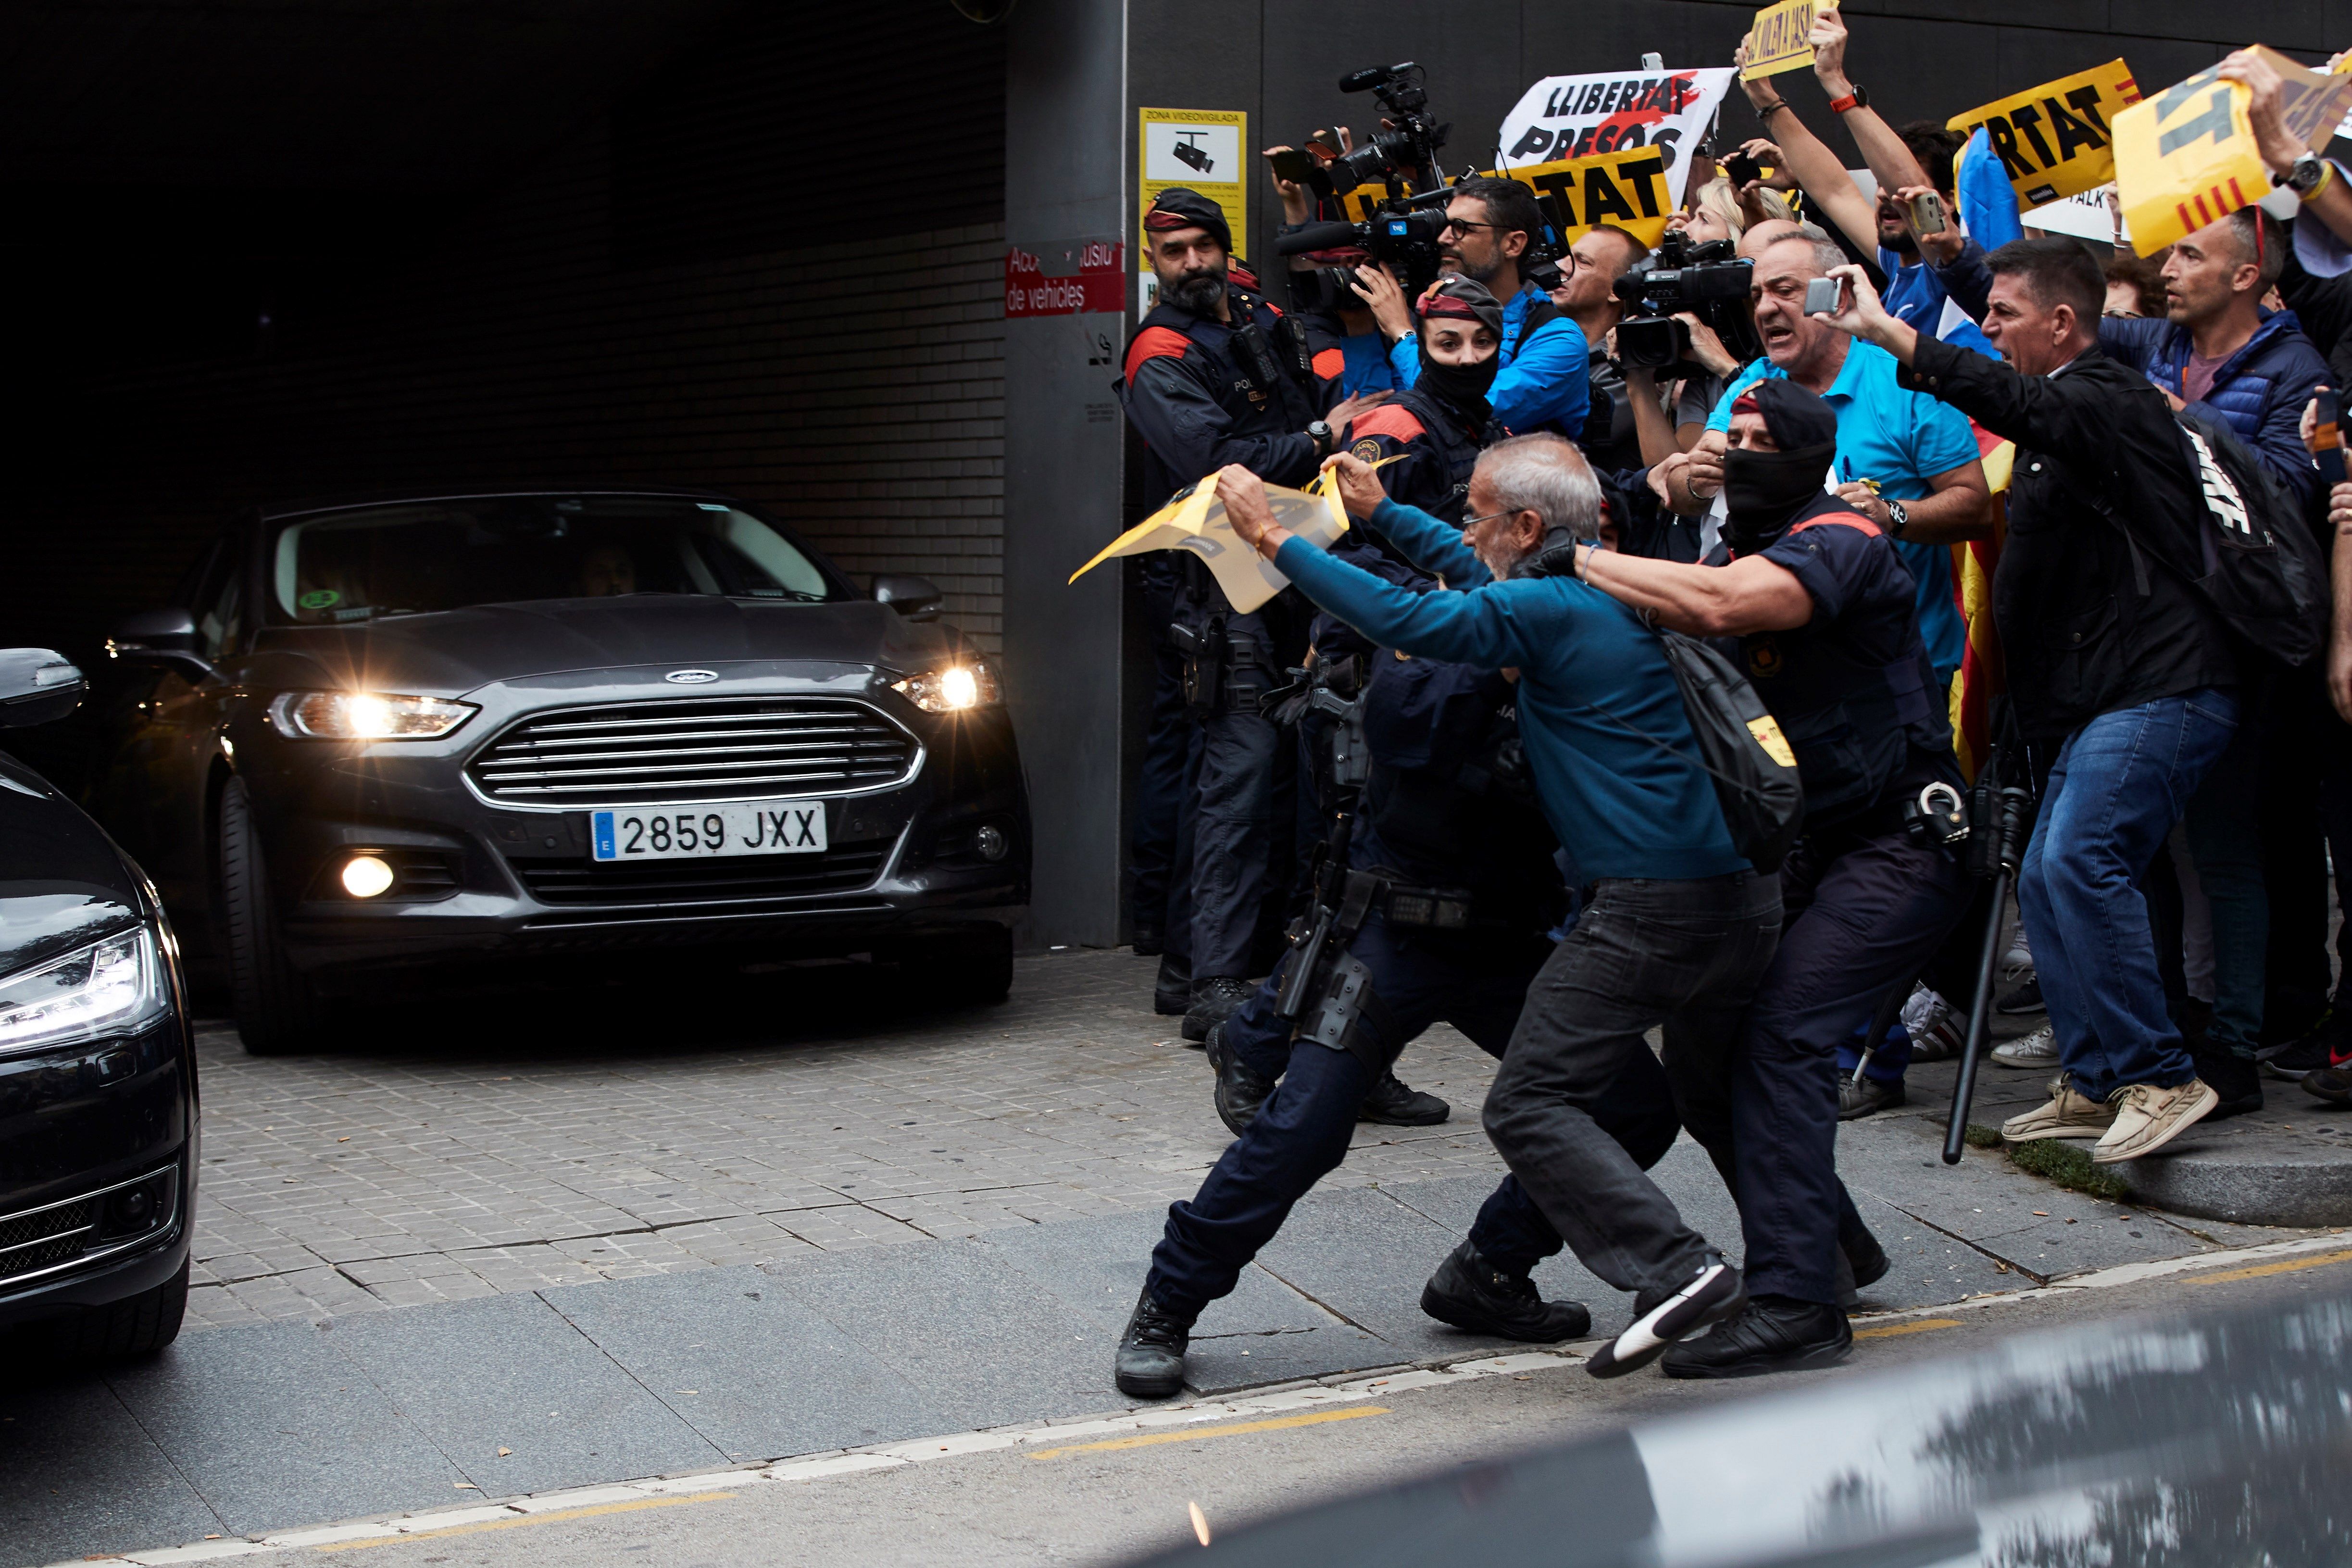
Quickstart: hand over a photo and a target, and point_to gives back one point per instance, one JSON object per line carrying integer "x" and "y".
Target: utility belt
{"x": 1927, "y": 809}
{"x": 1227, "y": 667}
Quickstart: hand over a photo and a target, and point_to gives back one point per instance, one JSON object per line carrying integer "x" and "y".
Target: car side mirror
{"x": 160, "y": 639}
{"x": 36, "y": 686}
{"x": 917, "y": 599}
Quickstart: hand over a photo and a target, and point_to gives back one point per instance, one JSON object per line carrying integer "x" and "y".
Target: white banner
{"x": 1564, "y": 117}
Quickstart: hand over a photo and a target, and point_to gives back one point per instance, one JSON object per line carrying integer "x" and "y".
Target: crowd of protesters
{"x": 1531, "y": 512}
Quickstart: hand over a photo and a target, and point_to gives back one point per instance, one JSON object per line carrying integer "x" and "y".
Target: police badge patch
{"x": 1366, "y": 451}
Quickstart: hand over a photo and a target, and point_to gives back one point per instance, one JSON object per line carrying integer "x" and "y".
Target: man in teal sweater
{"x": 1676, "y": 930}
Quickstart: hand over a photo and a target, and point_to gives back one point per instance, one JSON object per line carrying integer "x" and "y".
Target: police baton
{"x": 2004, "y": 811}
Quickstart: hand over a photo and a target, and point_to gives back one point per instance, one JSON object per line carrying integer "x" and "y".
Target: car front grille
{"x": 747, "y": 879}
{"x": 695, "y": 750}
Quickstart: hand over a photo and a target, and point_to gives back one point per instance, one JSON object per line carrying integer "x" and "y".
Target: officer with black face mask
{"x": 1829, "y": 632}
{"x": 1214, "y": 375}
{"x": 1435, "y": 429}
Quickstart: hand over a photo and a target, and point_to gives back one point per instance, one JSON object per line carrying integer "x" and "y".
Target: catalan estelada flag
{"x": 1982, "y": 676}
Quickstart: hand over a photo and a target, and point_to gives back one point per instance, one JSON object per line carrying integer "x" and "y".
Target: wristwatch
{"x": 1324, "y": 439}
{"x": 1858, "y": 98}
{"x": 2304, "y": 175}
{"x": 1898, "y": 518}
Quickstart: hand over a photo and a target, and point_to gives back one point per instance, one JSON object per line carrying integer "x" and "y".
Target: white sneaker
{"x": 1922, "y": 1011}
{"x": 2037, "y": 1051}
{"x": 2018, "y": 961}
{"x": 2148, "y": 1118}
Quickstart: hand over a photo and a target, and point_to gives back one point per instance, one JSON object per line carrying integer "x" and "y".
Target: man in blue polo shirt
{"x": 1920, "y": 455}
{"x": 1679, "y": 928}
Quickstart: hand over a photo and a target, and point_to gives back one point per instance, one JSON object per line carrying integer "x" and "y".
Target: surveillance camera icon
{"x": 1189, "y": 151}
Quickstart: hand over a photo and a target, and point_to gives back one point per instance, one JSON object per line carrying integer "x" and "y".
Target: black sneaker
{"x": 1859, "y": 1097}
{"x": 1241, "y": 1092}
{"x": 2237, "y": 1079}
{"x": 2328, "y": 1045}
{"x": 1776, "y": 1333}
{"x": 1471, "y": 1293}
{"x": 2026, "y": 998}
{"x": 1150, "y": 1360}
{"x": 1860, "y": 1253}
{"x": 1714, "y": 1294}
{"x": 1213, "y": 1001}
{"x": 2333, "y": 1085}
{"x": 1171, "y": 994}
{"x": 1150, "y": 941}
{"x": 1392, "y": 1103}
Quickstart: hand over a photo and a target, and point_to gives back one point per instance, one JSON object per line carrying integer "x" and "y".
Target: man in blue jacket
{"x": 1678, "y": 925}
{"x": 2217, "y": 352}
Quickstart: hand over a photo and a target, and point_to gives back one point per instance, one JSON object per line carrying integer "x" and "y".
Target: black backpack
{"x": 2258, "y": 566}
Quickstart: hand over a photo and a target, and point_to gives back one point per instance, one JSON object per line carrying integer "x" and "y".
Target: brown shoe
{"x": 2069, "y": 1114}
{"x": 2148, "y": 1118}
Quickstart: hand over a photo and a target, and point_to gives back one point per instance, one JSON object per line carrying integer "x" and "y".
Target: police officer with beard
{"x": 1829, "y": 632}
{"x": 1216, "y": 375}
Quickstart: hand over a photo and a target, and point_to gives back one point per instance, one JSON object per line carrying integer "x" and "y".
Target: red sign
{"x": 1098, "y": 285}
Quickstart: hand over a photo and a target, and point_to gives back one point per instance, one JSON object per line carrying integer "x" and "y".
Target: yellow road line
{"x": 1921, "y": 1327}
{"x": 1187, "y": 1435}
{"x": 2287, "y": 1267}
{"x": 555, "y": 1516}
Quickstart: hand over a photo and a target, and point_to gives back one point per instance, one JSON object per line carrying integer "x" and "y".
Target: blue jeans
{"x": 2119, "y": 785}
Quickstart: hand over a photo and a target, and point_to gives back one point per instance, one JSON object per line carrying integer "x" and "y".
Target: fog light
{"x": 365, "y": 875}
{"x": 991, "y": 843}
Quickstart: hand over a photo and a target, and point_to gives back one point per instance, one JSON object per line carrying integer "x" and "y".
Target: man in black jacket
{"x": 2112, "y": 659}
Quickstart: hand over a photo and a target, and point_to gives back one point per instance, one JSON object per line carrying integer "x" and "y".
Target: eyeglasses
{"x": 1464, "y": 225}
{"x": 1488, "y": 517}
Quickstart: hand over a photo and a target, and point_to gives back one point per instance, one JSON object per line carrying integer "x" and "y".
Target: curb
{"x": 2253, "y": 1180}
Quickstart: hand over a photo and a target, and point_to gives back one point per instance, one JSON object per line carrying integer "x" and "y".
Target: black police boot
{"x": 1713, "y": 1294}
{"x": 1213, "y": 1002}
{"x": 1171, "y": 995}
{"x": 1241, "y": 1091}
{"x": 1776, "y": 1333}
{"x": 1150, "y": 1360}
{"x": 1392, "y": 1103}
{"x": 1471, "y": 1293}
{"x": 1860, "y": 1262}
{"x": 1151, "y": 940}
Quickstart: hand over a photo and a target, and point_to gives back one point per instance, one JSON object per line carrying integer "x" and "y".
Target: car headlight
{"x": 957, "y": 689}
{"x": 117, "y": 983}
{"x": 366, "y": 716}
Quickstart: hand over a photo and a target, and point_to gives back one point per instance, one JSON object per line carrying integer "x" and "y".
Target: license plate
{"x": 707, "y": 832}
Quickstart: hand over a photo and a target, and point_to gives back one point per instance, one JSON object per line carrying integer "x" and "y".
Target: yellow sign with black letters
{"x": 2186, "y": 157}
{"x": 2058, "y": 138}
{"x": 1628, "y": 189}
{"x": 1776, "y": 42}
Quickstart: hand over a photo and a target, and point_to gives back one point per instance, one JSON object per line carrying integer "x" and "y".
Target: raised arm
{"x": 1428, "y": 543}
{"x": 1881, "y": 150}
{"x": 1818, "y": 171}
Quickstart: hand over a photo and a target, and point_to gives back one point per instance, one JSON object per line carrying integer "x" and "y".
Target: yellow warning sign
{"x": 1200, "y": 149}
{"x": 2057, "y": 139}
{"x": 2186, "y": 158}
{"x": 1627, "y": 189}
{"x": 1776, "y": 42}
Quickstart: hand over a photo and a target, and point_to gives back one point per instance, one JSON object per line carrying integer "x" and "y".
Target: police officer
{"x": 1829, "y": 632}
{"x": 1215, "y": 375}
{"x": 1434, "y": 429}
{"x": 1451, "y": 859}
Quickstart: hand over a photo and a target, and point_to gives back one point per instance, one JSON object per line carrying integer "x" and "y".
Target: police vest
{"x": 1410, "y": 416}
{"x": 1259, "y": 371}
{"x": 1852, "y": 719}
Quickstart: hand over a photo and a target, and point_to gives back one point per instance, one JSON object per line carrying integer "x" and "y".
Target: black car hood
{"x": 62, "y": 882}
{"x": 454, "y": 651}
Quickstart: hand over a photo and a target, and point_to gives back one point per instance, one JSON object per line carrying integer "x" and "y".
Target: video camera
{"x": 1704, "y": 279}
{"x": 1402, "y": 156}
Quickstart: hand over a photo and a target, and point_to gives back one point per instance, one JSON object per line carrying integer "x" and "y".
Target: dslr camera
{"x": 1704, "y": 279}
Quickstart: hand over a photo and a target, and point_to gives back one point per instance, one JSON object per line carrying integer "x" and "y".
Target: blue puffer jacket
{"x": 2258, "y": 392}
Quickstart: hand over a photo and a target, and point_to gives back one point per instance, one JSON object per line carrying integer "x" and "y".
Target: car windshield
{"x": 355, "y": 565}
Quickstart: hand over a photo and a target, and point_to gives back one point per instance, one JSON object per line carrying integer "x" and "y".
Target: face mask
{"x": 1462, "y": 387}
{"x": 1763, "y": 492}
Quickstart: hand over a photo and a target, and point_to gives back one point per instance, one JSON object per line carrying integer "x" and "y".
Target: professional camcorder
{"x": 1404, "y": 229}
{"x": 1704, "y": 279}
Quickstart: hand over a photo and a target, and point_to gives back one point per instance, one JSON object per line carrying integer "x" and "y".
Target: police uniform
{"x": 1451, "y": 831}
{"x": 1865, "y": 905}
{"x": 1434, "y": 446}
{"x": 1202, "y": 392}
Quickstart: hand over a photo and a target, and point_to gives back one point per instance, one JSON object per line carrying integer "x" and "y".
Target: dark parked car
{"x": 98, "y": 1075}
{"x": 377, "y": 736}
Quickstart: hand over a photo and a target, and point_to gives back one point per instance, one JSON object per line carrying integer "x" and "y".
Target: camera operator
{"x": 1215, "y": 375}
{"x": 2115, "y": 659}
{"x": 1823, "y": 609}
{"x": 1926, "y": 486}
{"x": 1347, "y": 350}
{"x": 1678, "y": 925}
{"x": 1587, "y": 295}
{"x": 1543, "y": 383}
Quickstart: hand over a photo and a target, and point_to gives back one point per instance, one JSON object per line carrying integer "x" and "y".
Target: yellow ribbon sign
{"x": 1194, "y": 520}
{"x": 2057, "y": 141}
{"x": 2187, "y": 158}
{"x": 1777, "y": 43}
{"x": 1627, "y": 189}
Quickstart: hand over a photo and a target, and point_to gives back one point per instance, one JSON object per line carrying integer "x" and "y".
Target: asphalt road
{"x": 1104, "y": 1501}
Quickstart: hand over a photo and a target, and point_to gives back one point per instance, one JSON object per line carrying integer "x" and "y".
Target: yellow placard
{"x": 1202, "y": 149}
{"x": 2057, "y": 139}
{"x": 1194, "y": 520}
{"x": 2186, "y": 157}
{"x": 1776, "y": 42}
{"x": 1627, "y": 189}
